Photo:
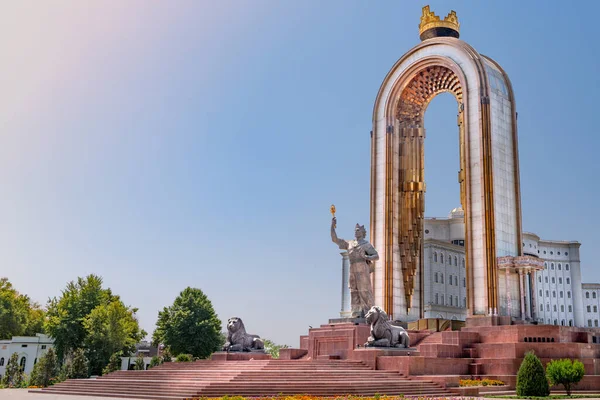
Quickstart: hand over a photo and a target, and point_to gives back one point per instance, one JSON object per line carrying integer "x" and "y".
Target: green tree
{"x": 45, "y": 370}
{"x": 66, "y": 314}
{"x": 14, "y": 311}
{"x": 190, "y": 325}
{"x": 155, "y": 362}
{"x": 36, "y": 320}
{"x": 272, "y": 348}
{"x": 531, "y": 379}
{"x": 139, "y": 364}
{"x": 13, "y": 376}
{"x": 79, "y": 365}
{"x": 112, "y": 327}
{"x": 114, "y": 363}
{"x": 565, "y": 372}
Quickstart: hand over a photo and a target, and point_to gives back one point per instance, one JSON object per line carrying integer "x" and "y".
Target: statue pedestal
{"x": 240, "y": 356}
{"x": 336, "y": 339}
{"x": 369, "y": 355}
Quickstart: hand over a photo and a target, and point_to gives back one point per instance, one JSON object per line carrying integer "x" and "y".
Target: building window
{"x": 442, "y": 299}
{"x": 22, "y": 363}
{"x": 589, "y": 308}
{"x": 23, "y": 345}
{"x": 559, "y": 267}
{"x": 450, "y": 300}
{"x": 561, "y": 294}
{"x": 436, "y": 277}
{"x": 442, "y": 279}
{"x": 541, "y": 293}
{"x": 463, "y": 263}
{"x": 558, "y": 253}
{"x": 546, "y": 279}
{"x": 570, "y": 308}
{"x": 569, "y": 294}
{"x": 554, "y": 293}
{"x": 553, "y": 280}
{"x": 456, "y": 282}
{"x": 552, "y": 266}
{"x": 555, "y": 308}
{"x": 551, "y": 252}
{"x": 1, "y": 361}
{"x": 568, "y": 281}
{"x": 455, "y": 261}
{"x": 593, "y": 295}
{"x": 587, "y": 295}
{"x": 570, "y": 322}
{"x": 436, "y": 298}
{"x": 595, "y": 308}
{"x": 590, "y": 323}
{"x": 435, "y": 257}
{"x": 541, "y": 307}
{"x": 43, "y": 347}
{"x": 547, "y": 293}
{"x": 560, "y": 281}
{"x": 555, "y": 322}
{"x": 567, "y": 267}
{"x": 545, "y": 264}
{"x": 456, "y": 301}
{"x": 596, "y": 323}
{"x": 562, "y": 308}
{"x": 442, "y": 258}
{"x": 540, "y": 279}
{"x": 464, "y": 282}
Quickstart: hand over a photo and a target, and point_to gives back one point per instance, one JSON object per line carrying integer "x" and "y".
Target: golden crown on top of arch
{"x": 429, "y": 20}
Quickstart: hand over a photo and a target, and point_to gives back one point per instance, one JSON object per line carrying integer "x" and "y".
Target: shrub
{"x": 13, "y": 376}
{"x": 45, "y": 370}
{"x": 114, "y": 363}
{"x": 155, "y": 362}
{"x": 79, "y": 366}
{"x": 531, "y": 379}
{"x": 167, "y": 356}
{"x": 565, "y": 372}
{"x": 184, "y": 358}
{"x": 139, "y": 364}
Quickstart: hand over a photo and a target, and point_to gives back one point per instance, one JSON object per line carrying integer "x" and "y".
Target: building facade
{"x": 28, "y": 348}
{"x": 552, "y": 295}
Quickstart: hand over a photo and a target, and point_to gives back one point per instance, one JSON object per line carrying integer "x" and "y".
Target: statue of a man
{"x": 361, "y": 253}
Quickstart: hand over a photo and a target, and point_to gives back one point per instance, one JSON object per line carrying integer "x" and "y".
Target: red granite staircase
{"x": 175, "y": 381}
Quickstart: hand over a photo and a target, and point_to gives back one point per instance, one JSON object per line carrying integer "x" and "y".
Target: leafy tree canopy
{"x": 190, "y": 325}
{"x": 90, "y": 317}
{"x": 18, "y": 315}
{"x": 110, "y": 328}
{"x": 565, "y": 372}
{"x": 67, "y": 313}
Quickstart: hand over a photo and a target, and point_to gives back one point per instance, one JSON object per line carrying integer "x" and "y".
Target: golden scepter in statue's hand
{"x": 332, "y": 211}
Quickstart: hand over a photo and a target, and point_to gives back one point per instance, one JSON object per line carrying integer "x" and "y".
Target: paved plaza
{"x": 24, "y": 394}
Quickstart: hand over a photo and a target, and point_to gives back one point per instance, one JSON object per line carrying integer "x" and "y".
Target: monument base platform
{"x": 240, "y": 356}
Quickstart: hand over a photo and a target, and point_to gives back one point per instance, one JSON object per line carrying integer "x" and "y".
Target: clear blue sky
{"x": 167, "y": 144}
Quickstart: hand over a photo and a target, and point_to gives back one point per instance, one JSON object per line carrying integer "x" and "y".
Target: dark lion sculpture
{"x": 383, "y": 333}
{"x": 238, "y": 339}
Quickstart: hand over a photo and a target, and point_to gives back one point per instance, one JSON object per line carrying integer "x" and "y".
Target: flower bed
{"x": 480, "y": 382}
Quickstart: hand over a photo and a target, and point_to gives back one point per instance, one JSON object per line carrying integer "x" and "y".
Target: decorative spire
{"x": 432, "y": 26}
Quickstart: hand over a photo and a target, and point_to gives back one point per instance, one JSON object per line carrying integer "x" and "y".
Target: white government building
{"x": 29, "y": 349}
{"x": 554, "y": 295}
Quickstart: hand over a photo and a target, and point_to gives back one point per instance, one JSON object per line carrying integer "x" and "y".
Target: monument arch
{"x": 488, "y": 175}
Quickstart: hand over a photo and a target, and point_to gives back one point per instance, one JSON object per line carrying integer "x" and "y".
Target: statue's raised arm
{"x": 342, "y": 244}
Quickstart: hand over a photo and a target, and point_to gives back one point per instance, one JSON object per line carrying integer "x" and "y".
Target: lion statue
{"x": 238, "y": 339}
{"x": 383, "y": 333}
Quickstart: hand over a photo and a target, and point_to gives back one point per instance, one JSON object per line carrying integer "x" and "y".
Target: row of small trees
{"x": 533, "y": 381}
{"x": 46, "y": 371}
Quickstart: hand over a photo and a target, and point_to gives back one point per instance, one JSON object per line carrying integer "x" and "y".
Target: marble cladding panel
{"x": 505, "y": 207}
